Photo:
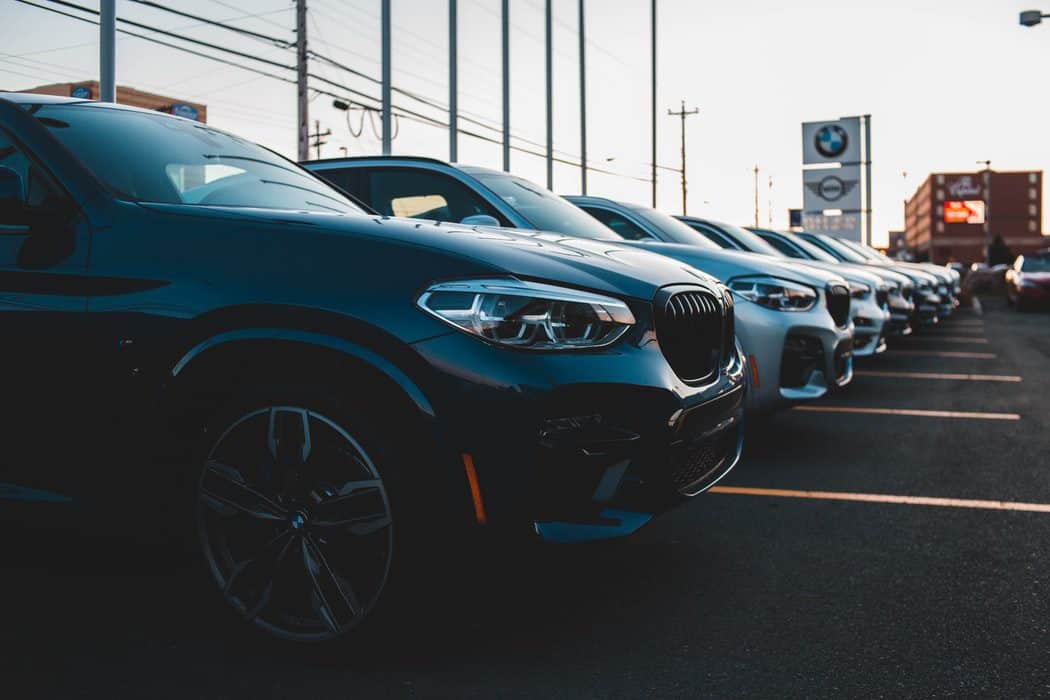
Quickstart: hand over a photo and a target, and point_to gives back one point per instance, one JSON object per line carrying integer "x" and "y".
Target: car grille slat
{"x": 695, "y": 332}
{"x": 838, "y": 304}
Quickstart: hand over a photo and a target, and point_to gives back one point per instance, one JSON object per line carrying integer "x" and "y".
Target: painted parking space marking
{"x": 940, "y": 353}
{"x": 974, "y": 415}
{"x": 939, "y": 375}
{"x": 950, "y": 339}
{"x": 885, "y": 498}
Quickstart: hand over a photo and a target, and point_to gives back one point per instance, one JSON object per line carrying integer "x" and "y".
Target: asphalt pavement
{"x": 813, "y": 571}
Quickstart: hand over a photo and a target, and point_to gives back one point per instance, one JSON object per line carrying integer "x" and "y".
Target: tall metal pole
{"x": 756, "y": 195}
{"x": 683, "y": 113}
{"x": 867, "y": 179}
{"x": 652, "y": 23}
{"x": 107, "y": 50}
{"x": 453, "y": 92}
{"x": 385, "y": 21}
{"x": 506, "y": 85}
{"x": 550, "y": 102}
{"x": 583, "y": 106}
{"x": 303, "y": 100}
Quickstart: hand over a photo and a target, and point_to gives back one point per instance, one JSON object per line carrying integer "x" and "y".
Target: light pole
{"x": 1030, "y": 18}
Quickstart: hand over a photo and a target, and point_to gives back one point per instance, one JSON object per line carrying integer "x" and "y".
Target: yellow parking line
{"x": 938, "y": 353}
{"x": 939, "y": 375}
{"x": 886, "y": 498}
{"x": 911, "y": 412}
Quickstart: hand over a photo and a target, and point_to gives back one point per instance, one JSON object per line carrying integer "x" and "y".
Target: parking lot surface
{"x": 816, "y": 569}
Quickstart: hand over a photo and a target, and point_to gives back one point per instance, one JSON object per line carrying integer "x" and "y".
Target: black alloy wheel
{"x": 295, "y": 523}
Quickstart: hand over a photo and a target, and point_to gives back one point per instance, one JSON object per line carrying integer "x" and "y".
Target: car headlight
{"x": 528, "y": 315}
{"x": 859, "y": 290}
{"x": 775, "y": 293}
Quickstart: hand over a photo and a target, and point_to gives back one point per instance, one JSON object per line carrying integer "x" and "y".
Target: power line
{"x": 216, "y": 23}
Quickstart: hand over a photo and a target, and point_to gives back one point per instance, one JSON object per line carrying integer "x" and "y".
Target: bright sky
{"x": 947, "y": 82}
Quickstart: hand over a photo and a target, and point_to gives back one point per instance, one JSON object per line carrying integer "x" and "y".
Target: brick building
{"x": 89, "y": 90}
{"x": 952, "y": 216}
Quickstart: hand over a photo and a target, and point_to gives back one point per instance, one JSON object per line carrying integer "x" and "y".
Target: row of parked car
{"x": 325, "y": 370}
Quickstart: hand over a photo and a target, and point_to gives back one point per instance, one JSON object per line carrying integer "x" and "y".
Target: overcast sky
{"x": 947, "y": 82}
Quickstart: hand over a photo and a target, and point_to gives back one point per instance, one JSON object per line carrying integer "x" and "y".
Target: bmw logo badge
{"x": 831, "y": 140}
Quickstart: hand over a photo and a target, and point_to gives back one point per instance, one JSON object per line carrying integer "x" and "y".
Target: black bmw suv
{"x": 192, "y": 320}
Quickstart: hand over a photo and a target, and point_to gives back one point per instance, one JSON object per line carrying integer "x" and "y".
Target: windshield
{"x": 146, "y": 157}
{"x": 542, "y": 208}
{"x": 814, "y": 251}
{"x": 836, "y": 249}
{"x": 1040, "y": 263}
{"x": 672, "y": 230}
{"x": 866, "y": 252}
{"x": 750, "y": 240}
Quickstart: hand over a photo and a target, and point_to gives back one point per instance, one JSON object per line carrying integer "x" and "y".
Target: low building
{"x": 89, "y": 90}
{"x": 954, "y": 216}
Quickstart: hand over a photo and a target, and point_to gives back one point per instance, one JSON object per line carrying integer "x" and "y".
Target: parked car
{"x": 926, "y": 300}
{"x": 1028, "y": 281}
{"x": 197, "y": 325}
{"x": 869, "y": 304}
{"x": 947, "y": 287}
{"x": 901, "y": 289}
{"x": 793, "y": 323}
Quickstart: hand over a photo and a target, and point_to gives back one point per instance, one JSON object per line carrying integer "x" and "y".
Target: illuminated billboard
{"x": 968, "y": 211}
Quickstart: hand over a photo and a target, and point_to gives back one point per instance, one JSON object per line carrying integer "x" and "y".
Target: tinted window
{"x": 671, "y": 229}
{"x": 542, "y": 208}
{"x": 39, "y": 195}
{"x": 149, "y": 157}
{"x": 1033, "y": 263}
{"x": 421, "y": 194}
{"x": 808, "y": 249}
{"x": 835, "y": 248}
{"x": 618, "y": 224}
{"x": 783, "y": 246}
{"x": 712, "y": 235}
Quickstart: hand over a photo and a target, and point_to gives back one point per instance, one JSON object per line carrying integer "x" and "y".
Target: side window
{"x": 620, "y": 225}
{"x": 420, "y": 194}
{"x": 781, "y": 245}
{"x": 39, "y": 195}
{"x": 349, "y": 180}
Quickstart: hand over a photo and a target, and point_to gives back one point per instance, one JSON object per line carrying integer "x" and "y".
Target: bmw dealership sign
{"x": 831, "y": 142}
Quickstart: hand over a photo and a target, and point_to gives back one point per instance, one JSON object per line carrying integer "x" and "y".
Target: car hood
{"x": 850, "y": 274}
{"x": 727, "y": 264}
{"x": 551, "y": 257}
{"x": 1042, "y": 278}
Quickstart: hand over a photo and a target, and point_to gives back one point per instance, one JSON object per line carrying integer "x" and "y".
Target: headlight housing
{"x": 528, "y": 315}
{"x": 859, "y": 290}
{"x": 775, "y": 293}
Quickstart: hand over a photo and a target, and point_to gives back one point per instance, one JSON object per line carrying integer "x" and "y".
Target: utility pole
{"x": 583, "y": 106}
{"x": 300, "y": 80}
{"x": 318, "y": 137}
{"x": 385, "y": 22}
{"x": 683, "y": 113}
{"x": 550, "y": 100}
{"x": 107, "y": 49}
{"x": 756, "y": 195}
{"x": 506, "y": 84}
{"x": 453, "y": 92}
{"x": 652, "y": 80}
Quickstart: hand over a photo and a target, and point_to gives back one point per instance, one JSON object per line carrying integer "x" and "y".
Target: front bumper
{"x": 584, "y": 445}
{"x": 793, "y": 356}
{"x": 869, "y": 327}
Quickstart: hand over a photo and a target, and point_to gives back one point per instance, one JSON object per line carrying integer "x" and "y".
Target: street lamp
{"x": 1030, "y": 18}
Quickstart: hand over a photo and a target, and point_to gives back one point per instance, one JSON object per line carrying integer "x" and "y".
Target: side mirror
{"x": 12, "y": 196}
{"x": 480, "y": 220}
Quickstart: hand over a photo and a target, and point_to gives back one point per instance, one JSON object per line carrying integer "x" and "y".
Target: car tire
{"x": 295, "y": 504}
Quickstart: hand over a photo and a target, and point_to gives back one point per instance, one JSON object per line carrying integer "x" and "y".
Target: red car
{"x": 1028, "y": 281}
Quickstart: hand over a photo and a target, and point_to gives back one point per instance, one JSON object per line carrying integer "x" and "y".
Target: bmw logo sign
{"x": 831, "y": 140}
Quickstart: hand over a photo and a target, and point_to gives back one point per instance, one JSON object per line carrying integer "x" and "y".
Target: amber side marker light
{"x": 475, "y": 490}
{"x": 753, "y": 364}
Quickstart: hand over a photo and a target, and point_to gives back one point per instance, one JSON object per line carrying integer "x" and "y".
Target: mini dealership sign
{"x": 969, "y": 211}
{"x": 836, "y": 177}
{"x": 837, "y": 188}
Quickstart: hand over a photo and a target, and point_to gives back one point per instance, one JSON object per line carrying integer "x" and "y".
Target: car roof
{"x": 355, "y": 159}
